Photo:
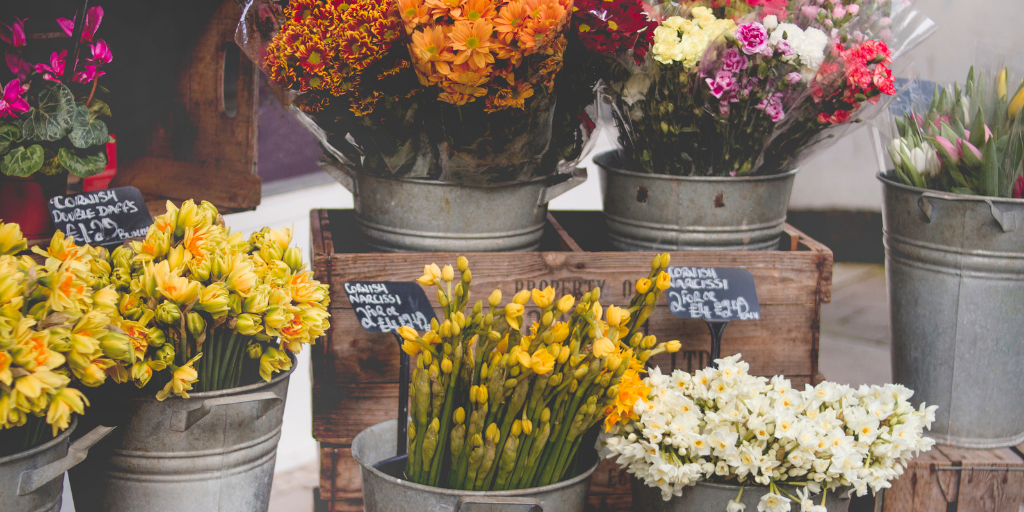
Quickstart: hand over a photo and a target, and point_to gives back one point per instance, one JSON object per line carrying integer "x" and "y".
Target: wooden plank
{"x": 566, "y": 242}
{"x": 987, "y": 490}
{"x": 340, "y": 478}
{"x": 825, "y": 264}
{"x": 918, "y": 489}
{"x": 780, "y": 277}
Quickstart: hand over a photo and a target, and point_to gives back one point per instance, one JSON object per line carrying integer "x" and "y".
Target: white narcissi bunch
{"x": 803, "y": 47}
{"x": 726, "y": 426}
{"x": 679, "y": 39}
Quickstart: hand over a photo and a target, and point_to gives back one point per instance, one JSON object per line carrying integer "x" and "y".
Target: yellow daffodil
{"x": 272, "y": 361}
{"x": 614, "y": 316}
{"x": 241, "y": 279}
{"x": 603, "y": 347}
{"x": 5, "y": 368}
{"x": 248, "y": 324}
{"x": 565, "y": 303}
{"x": 643, "y": 285}
{"x": 181, "y": 382}
{"x": 512, "y": 311}
{"x": 521, "y": 298}
{"x": 664, "y": 281}
{"x": 543, "y": 298}
{"x": 542, "y": 362}
{"x": 62, "y": 403}
{"x": 11, "y": 239}
{"x": 408, "y": 333}
{"x": 673, "y": 346}
{"x": 213, "y": 299}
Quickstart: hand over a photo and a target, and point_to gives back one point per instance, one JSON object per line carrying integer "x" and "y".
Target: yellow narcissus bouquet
{"x": 57, "y": 331}
{"x": 499, "y": 405}
{"x": 208, "y": 309}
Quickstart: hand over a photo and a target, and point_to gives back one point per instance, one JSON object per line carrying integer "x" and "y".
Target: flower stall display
{"x": 501, "y": 405}
{"x": 778, "y": 446}
{"x": 51, "y": 121}
{"x": 951, "y": 173}
{"x": 58, "y": 333}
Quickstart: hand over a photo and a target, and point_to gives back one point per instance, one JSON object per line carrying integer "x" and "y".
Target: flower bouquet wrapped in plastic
{"x": 733, "y": 97}
{"x": 499, "y": 405}
{"x": 966, "y": 141}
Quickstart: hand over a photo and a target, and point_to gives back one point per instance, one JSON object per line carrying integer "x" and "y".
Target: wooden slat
{"x": 987, "y": 490}
{"x": 780, "y": 277}
{"x": 340, "y": 479}
{"x": 918, "y": 489}
{"x": 566, "y": 242}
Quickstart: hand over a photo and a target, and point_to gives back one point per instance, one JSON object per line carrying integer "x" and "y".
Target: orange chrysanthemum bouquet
{"x": 452, "y": 90}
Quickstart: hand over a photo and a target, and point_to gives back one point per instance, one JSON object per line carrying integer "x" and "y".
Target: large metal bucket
{"x": 214, "y": 451}
{"x": 655, "y": 212}
{"x": 385, "y": 493}
{"x": 33, "y": 481}
{"x": 707, "y": 497}
{"x": 431, "y": 216}
{"x": 955, "y": 269}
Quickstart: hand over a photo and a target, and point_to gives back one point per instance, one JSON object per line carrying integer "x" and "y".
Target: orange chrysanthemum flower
{"x": 472, "y": 42}
{"x": 478, "y": 9}
{"x": 511, "y": 20}
{"x": 431, "y": 47}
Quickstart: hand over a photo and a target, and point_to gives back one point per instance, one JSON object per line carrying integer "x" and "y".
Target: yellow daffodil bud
{"x": 156, "y": 337}
{"x": 462, "y": 263}
{"x": 106, "y": 298}
{"x": 241, "y": 279}
{"x": 547, "y": 319}
{"x": 427, "y": 358}
{"x": 460, "y": 416}
{"x": 521, "y": 298}
{"x": 165, "y": 353}
{"x": 408, "y": 333}
{"x": 613, "y": 362}
{"x": 512, "y": 312}
{"x": 196, "y": 324}
{"x": 141, "y": 372}
{"x": 527, "y": 426}
{"x": 559, "y": 332}
{"x": 293, "y": 258}
{"x": 425, "y": 280}
{"x": 643, "y": 285}
{"x": 11, "y": 239}
{"x": 460, "y": 319}
{"x": 494, "y": 298}
{"x": 595, "y": 294}
{"x": 168, "y": 314}
{"x": 673, "y": 346}
{"x": 545, "y": 415}
{"x": 542, "y": 362}
{"x": 603, "y": 347}
{"x": 563, "y": 355}
{"x": 555, "y": 380}
{"x": 411, "y": 347}
{"x": 543, "y": 298}
{"x": 597, "y": 310}
{"x": 412, "y": 431}
{"x": 574, "y": 385}
{"x": 481, "y": 395}
{"x": 447, "y": 273}
{"x": 565, "y": 304}
{"x": 467, "y": 276}
{"x": 614, "y": 316}
{"x": 188, "y": 216}
{"x": 254, "y": 349}
{"x": 431, "y": 338}
{"x": 458, "y": 290}
{"x": 473, "y": 390}
{"x": 235, "y": 304}
{"x": 517, "y": 428}
{"x": 664, "y": 281}
{"x": 248, "y": 324}
{"x": 492, "y": 431}
{"x": 118, "y": 347}
{"x": 446, "y": 365}
{"x": 581, "y": 371}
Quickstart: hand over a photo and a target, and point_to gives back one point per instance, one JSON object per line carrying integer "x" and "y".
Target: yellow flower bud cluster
{"x": 56, "y": 328}
{"x": 199, "y": 301}
{"x": 503, "y": 402}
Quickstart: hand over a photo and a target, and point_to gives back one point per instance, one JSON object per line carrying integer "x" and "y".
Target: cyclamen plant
{"x": 724, "y": 425}
{"x": 53, "y": 126}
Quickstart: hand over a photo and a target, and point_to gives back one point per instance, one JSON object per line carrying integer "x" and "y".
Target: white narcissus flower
{"x": 735, "y": 506}
{"x": 772, "y": 502}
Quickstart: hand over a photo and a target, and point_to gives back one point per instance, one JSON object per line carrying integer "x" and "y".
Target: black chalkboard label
{"x": 385, "y": 306}
{"x": 102, "y": 217}
{"x": 713, "y": 294}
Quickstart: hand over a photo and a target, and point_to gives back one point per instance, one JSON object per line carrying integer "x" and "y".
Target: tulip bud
{"x": 168, "y": 314}
{"x": 293, "y": 258}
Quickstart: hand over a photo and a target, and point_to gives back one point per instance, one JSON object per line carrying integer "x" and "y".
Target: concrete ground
{"x": 854, "y": 350}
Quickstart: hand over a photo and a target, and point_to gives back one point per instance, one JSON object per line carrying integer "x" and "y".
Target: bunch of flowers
{"x": 54, "y": 127}
{"x": 723, "y": 425}
{"x": 497, "y": 404}
{"x": 57, "y": 331}
{"x": 969, "y": 141}
{"x": 733, "y": 97}
{"x": 206, "y": 307}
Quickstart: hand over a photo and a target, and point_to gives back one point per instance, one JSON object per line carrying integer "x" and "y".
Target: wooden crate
{"x": 960, "y": 480}
{"x": 355, "y": 374}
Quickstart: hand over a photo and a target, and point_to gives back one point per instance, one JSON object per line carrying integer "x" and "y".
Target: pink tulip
{"x": 14, "y": 34}
{"x": 93, "y": 17}
{"x": 952, "y": 150}
{"x": 11, "y": 104}
{"x": 962, "y": 143}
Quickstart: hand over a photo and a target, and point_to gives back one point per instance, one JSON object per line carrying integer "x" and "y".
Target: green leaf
{"x": 9, "y": 133}
{"x": 990, "y": 169}
{"x": 978, "y": 128}
{"x": 51, "y": 118}
{"x": 22, "y": 162}
{"x": 88, "y": 131}
{"x": 82, "y": 163}
{"x": 99, "y": 107}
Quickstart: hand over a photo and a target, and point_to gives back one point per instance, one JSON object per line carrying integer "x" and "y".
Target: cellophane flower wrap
{"x": 58, "y": 333}
{"x": 497, "y": 404}
{"x": 966, "y": 141}
{"x": 721, "y": 95}
{"x": 460, "y": 91}
{"x": 723, "y": 425}
{"x": 208, "y": 309}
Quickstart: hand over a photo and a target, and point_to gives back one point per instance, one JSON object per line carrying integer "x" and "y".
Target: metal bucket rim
{"x": 949, "y": 196}
{"x": 556, "y": 177}
{"x": 601, "y": 161}
{"x": 45, "y": 446}
{"x": 230, "y": 391}
{"x": 440, "y": 490}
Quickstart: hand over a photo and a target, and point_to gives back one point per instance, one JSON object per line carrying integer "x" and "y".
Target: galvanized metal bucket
{"x": 385, "y": 493}
{"x": 955, "y": 270}
{"x": 656, "y": 212}
{"x": 33, "y": 480}
{"x": 707, "y": 497}
{"x": 430, "y": 216}
{"x": 213, "y": 451}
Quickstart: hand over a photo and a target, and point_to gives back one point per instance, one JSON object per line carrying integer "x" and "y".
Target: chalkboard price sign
{"x": 386, "y": 306}
{"x": 713, "y": 294}
{"x": 102, "y": 217}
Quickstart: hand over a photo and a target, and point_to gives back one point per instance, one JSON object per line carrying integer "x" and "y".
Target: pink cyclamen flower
{"x": 88, "y": 74}
{"x": 12, "y": 104}
{"x": 753, "y": 36}
{"x": 101, "y": 52}
{"x": 55, "y": 70}
{"x": 1018, "y": 188}
{"x": 14, "y": 34}
{"x": 19, "y": 66}
{"x": 953, "y": 151}
{"x": 93, "y": 17}
{"x": 722, "y": 82}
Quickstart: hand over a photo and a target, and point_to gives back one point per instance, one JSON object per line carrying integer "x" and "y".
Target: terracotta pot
{"x": 23, "y": 200}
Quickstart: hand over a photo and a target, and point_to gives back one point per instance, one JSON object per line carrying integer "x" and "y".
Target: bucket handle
{"x": 1008, "y": 220}
{"x": 466, "y": 503}
{"x": 32, "y": 480}
{"x": 577, "y": 177}
{"x": 183, "y": 420}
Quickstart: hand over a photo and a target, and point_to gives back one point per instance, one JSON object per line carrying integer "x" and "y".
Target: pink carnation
{"x": 753, "y": 36}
